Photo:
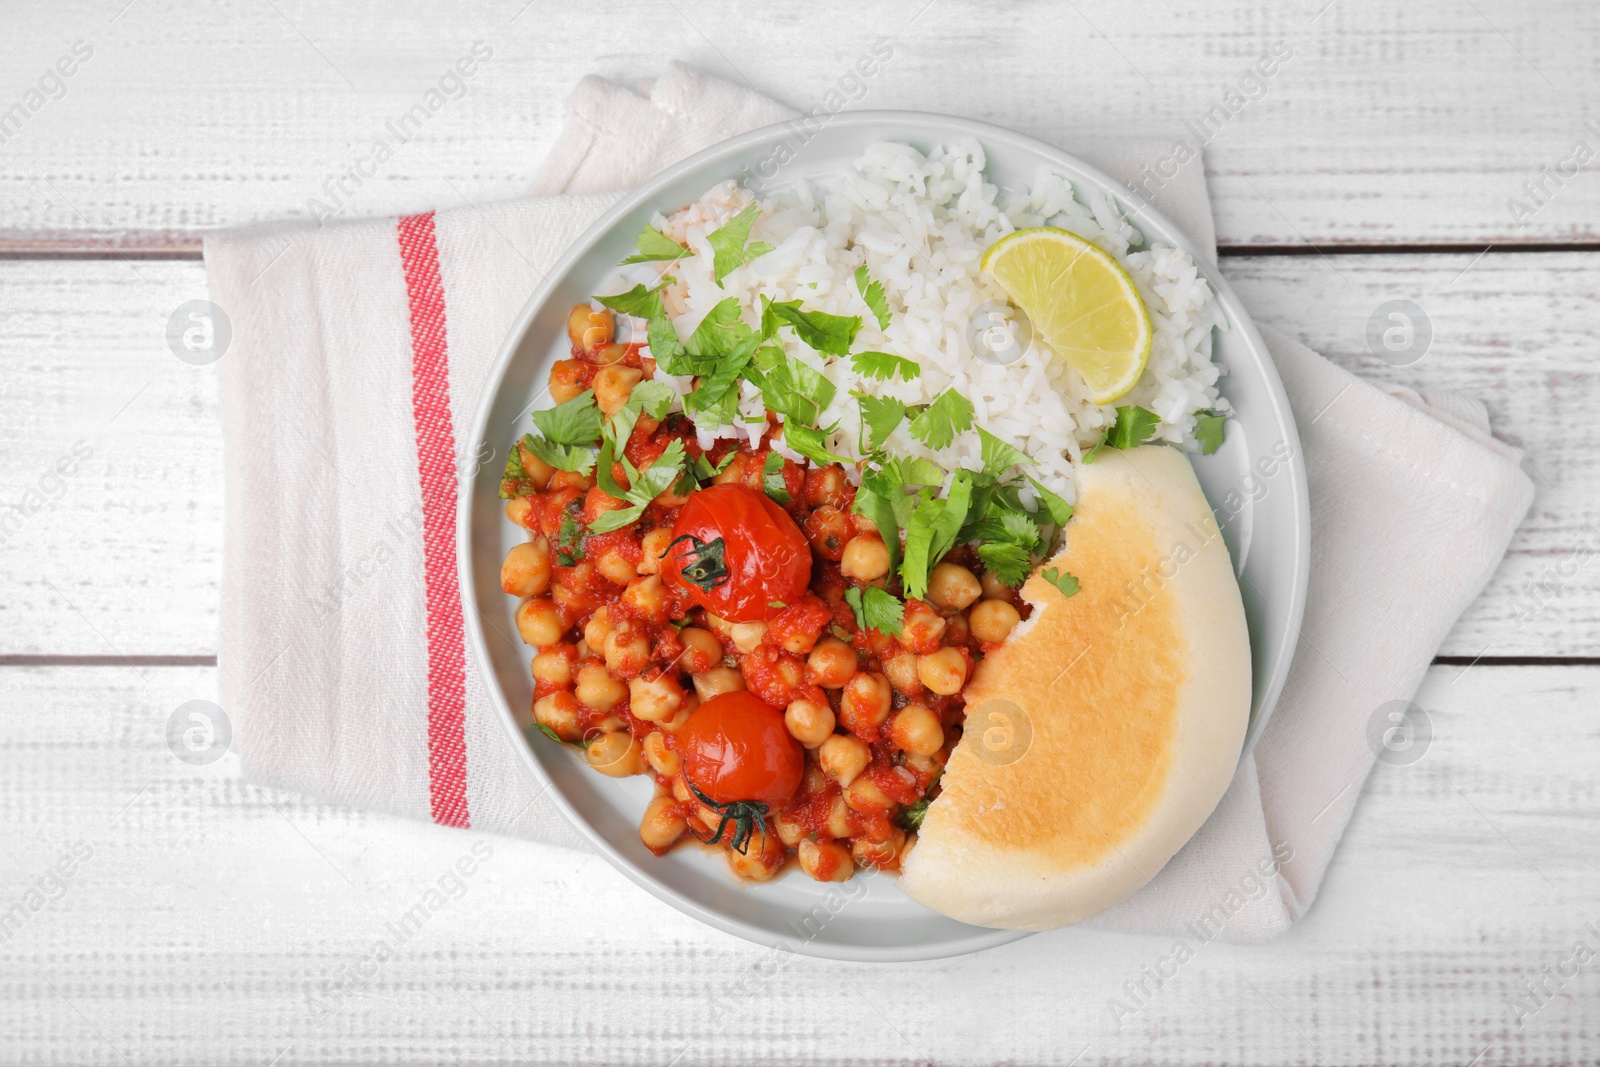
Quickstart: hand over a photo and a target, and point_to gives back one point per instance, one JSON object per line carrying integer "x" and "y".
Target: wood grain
{"x": 126, "y": 558}
{"x": 1413, "y": 124}
{"x": 211, "y": 911}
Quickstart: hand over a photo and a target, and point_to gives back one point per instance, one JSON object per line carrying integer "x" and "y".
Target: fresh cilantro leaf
{"x": 704, "y": 470}
{"x": 876, "y": 609}
{"x": 728, "y": 243}
{"x": 643, "y": 487}
{"x": 666, "y": 349}
{"x": 1133, "y": 427}
{"x": 1066, "y": 583}
{"x": 1007, "y": 561}
{"x": 575, "y": 458}
{"x": 914, "y": 470}
{"x": 638, "y": 301}
{"x": 932, "y": 531}
{"x": 879, "y": 417}
{"x": 720, "y": 334}
{"x": 1209, "y": 427}
{"x": 872, "y": 293}
{"x": 999, "y": 457}
{"x": 911, "y": 818}
{"x": 576, "y": 422}
{"x": 940, "y": 421}
{"x": 515, "y": 474}
{"x": 712, "y": 392}
{"x": 648, "y": 398}
{"x": 882, "y": 366}
{"x": 829, "y": 334}
{"x": 772, "y": 479}
{"x": 811, "y": 443}
{"x": 792, "y": 388}
{"x": 655, "y": 245}
{"x": 1051, "y": 504}
{"x": 543, "y": 729}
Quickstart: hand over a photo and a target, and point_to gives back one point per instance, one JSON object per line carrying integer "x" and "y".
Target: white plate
{"x": 1256, "y": 481}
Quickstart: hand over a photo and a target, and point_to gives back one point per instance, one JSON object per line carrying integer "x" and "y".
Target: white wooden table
{"x": 1376, "y": 164}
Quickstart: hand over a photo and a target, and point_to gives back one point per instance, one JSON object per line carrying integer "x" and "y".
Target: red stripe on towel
{"x": 436, "y": 470}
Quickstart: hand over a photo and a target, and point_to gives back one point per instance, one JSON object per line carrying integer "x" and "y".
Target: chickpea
{"x": 747, "y": 636}
{"x": 716, "y": 681}
{"x": 613, "y": 385}
{"x": 599, "y": 688}
{"x": 916, "y": 730}
{"x": 596, "y": 629}
{"x": 663, "y": 758}
{"x": 951, "y": 587}
{"x": 553, "y": 666}
{"x": 927, "y": 766}
{"x": 826, "y": 861}
{"x": 831, "y": 664}
{"x": 825, "y": 486}
{"x": 680, "y": 718}
{"x": 662, "y": 824}
{"x": 616, "y": 754}
{"x": 842, "y": 758}
{"x": 538, "y": 471}
{"x": 884, "y": 855}
{"x": 813, "y": 779}
{"x": 810, "y": 721}
{"x": 606, "y": 355}
{"x": 588, "y": 329}
{"x": 839, "y": 817}
{"x": 566, "y": 380}
{"x": 994, "y": 587}
{"x": 539, "y": 623}
{"x": 526, "y": 570}
{"x": 788, "y": 828}
{"x": 901, "y": 670}
{"x": 864, "y": 523}
{"x": 864, "y": 704}
{"x": 652, "y": 547}
{"x": 719, "y": 626}
{"x": 655, "y": 699}
{"x": 763, "y": 857}
{"x": 993, "y": 620}
{"x": 922, "y": 628}
{"x": 627, "y": 651}
{"x": 956, "y": 629}
{"x": 944, "y": 671}
{"x": 616, "y": 567}
{"x": 647, "y": 596}
{"x": 520, "y": 510}
{"x": 559, "y": 712}
{"x": 865, "y": 557}
{"x": 863, "y": 795}
{"x": 701, "y": 650}
{"x": 829, "y": 530}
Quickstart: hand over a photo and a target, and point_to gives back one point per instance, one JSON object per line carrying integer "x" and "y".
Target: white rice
{"x": 920, "y": 224}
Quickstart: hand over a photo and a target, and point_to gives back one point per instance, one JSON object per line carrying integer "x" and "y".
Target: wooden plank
{"x": 1409, "y": 124}
{"x": 211, "y": 911}
{"x": 125, "y": 559}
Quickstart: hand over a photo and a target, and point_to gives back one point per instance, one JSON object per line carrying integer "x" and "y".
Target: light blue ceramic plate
{"x": 1256, "y": 482}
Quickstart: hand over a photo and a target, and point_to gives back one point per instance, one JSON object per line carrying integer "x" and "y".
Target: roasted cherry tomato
{"x": 740, "y": 761}
{"x": 739, "y": 554}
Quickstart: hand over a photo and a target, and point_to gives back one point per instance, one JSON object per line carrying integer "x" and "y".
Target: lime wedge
{"x": 1081, "y": 302}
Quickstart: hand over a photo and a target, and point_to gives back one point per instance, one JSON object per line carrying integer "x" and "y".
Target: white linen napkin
{"x": 360, "y": 349}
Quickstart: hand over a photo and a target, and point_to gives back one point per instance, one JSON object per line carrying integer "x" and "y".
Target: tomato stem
{"x": 744, "y": 814}
{"x": 705, "y": 567}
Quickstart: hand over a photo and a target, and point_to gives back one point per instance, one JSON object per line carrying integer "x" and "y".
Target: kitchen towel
{"x": 359, "y": 350}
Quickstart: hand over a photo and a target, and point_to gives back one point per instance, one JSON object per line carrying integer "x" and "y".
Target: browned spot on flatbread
{"x": 1103, "y": 726}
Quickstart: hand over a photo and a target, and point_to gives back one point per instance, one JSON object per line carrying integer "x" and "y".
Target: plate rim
{"x": 941, "y": 126}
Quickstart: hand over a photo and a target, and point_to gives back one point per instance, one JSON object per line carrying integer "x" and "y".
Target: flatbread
{"x": 1103, "y": 733}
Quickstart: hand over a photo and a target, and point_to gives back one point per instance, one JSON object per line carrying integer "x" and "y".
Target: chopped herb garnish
{"x": 1209, "y": 427}
{"x": 939, "y": 422}
{"x": 811, "y": 443}
{"x": 1007, "y": 561}
{"x": 829, "y": 334}
{"x": 872, "y": 293}
{"x": 728, "y": 243}
{"x": 912, "y": 817}
{"x": 655, "y": 245}
{"x": 932, "y": 531}
{"x": 569, "y": 541}
{"x": 999, "y": 457}
{"x": 772, "y": 479}
{"x": 1133, "y": 427}
{"x": 551, "y": 734}
{"x": 1058, "y": 509}
{"x": 876, "y": 609}
{"x": 638, "y": 301}
{"x": 576, "y": 422}
{"x": 792, "y": 388}
{"x": 643, "y": 487}
{"x": 1066, "y": 583}
{"x": 883, "y": 366}
{"x": 575, "y": 458}
{"x": 514, "y": 482}
{"x": 650, "y": 398}
{"x": 880, "y": 415}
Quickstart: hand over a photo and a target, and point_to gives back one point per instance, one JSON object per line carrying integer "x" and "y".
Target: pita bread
{"x": 1101, "y": 735}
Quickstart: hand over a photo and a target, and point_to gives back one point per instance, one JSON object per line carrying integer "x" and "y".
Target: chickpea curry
{"x": 778, "y": 645}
